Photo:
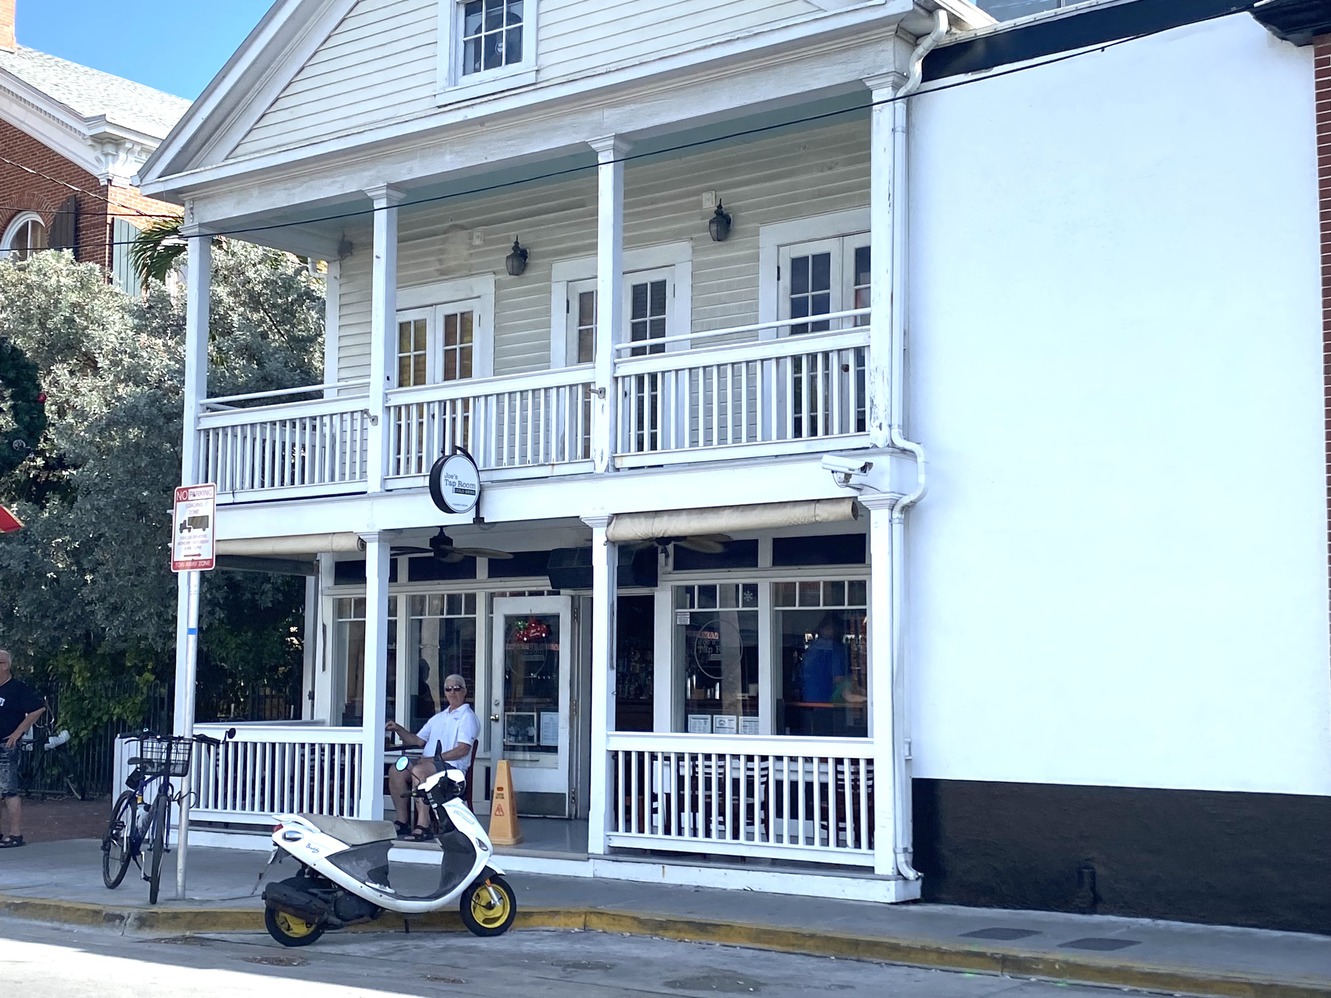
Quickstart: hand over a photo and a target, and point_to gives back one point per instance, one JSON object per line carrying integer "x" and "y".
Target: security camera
{"x": 839, "y": 465}
{"x": 845, "y": 469}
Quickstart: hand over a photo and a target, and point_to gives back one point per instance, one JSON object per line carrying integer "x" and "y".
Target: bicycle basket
{"x": 165, "y": 755}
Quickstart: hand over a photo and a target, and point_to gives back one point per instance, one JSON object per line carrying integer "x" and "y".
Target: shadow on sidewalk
{"x": 57, "y": 819}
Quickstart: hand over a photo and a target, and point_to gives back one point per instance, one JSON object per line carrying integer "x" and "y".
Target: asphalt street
{"x": 42, "y": 960}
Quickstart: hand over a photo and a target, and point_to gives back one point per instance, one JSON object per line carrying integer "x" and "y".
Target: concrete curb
{"x": 1006, "y": 962}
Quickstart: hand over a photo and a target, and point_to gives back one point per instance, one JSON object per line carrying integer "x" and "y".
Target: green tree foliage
{"x": 90, "y": 597}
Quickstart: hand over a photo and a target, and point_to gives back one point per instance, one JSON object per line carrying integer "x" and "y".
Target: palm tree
{"x": 156, "y": 249}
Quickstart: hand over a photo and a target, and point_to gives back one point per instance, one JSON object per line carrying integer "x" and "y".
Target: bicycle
{"x": 158, "y": 759}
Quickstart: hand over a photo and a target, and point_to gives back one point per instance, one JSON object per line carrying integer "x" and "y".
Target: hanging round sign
{"x": 455, "y": 483}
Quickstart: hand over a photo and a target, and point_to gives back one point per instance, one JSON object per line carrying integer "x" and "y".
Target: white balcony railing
{"x": 799, "y": 799}
{"x": 739, "y": 391}
{"x": 307, "y": 447}
{"x": 733, "y": 392}
{"x": 529, "y": 421}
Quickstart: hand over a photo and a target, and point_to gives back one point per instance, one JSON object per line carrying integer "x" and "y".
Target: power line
{"x": 130, "y": 210}
{"x": 981, "y": 77}
{"x": 749, "y": 132}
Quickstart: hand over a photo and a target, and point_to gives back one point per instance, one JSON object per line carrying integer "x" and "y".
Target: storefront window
{"x": 634, "y": 657}
{"x": 349, "y": 656}
{"x": 822, "y": 627}
{"x": 441, "y": 640}
{"x": 716, "y": 654}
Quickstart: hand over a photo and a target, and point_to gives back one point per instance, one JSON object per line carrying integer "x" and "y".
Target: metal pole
{"x": 185, "y": 719}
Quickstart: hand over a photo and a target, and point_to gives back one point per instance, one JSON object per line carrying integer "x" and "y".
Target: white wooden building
{"x": 696, "y": 285}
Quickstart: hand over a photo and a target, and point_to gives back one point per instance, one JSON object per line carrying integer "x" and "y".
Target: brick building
{"x": 71, "y": 140}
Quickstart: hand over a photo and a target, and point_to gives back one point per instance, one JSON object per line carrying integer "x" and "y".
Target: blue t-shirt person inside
{"x": 826, "y": 662}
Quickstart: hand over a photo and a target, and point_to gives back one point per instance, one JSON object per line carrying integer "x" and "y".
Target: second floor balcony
{"x": 756, "y": 390}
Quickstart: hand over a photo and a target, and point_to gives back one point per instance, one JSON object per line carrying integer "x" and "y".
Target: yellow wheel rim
{"x": 488, "y": 911}
{"x": 295, "y": 928}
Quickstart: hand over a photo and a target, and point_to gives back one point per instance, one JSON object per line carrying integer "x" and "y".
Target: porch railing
{"x": 273, "y": 768}
{"x": 733, "y": 390}
{"x": 305, "y": 447}
{"x": 799, "y": 799}
{"x": 702, "y": 396}
{"x": 531, "y": 421}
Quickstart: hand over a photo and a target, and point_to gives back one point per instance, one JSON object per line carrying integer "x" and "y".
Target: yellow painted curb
{"x": 958, "y": 957}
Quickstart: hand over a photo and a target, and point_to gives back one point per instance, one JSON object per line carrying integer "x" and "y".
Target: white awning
{"x": 729, "y": 519}
{"x": 292, "y": 545}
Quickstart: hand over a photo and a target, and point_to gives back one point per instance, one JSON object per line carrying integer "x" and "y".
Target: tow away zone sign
{"x": 192, "y": 537}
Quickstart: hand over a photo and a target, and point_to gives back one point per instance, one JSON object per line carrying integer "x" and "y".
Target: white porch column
{"x": 371, "y": 797}
{"x": 883, "y": 707}
{"x": 610, "y": 152}
{"x": 383, "y": 328}
{"x": 887, "y": 222}
{"x": 198, "y": 286}
{"x": 605, "y": 562}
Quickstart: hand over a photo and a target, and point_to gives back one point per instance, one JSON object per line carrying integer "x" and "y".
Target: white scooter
{"x": 343, "y": 877}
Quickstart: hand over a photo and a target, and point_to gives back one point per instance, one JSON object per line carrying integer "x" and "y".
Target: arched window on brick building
{"x": 25, "y": 236}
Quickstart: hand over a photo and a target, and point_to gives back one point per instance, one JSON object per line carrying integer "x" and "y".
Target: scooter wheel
{"x": 290, "y": 930}
{"x": 488, "y": 906}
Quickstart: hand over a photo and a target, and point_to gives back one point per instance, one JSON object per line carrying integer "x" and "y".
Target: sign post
{"x": 193, "y": 550}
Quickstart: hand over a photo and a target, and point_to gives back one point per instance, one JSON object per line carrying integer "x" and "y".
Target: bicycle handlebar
{"x": 210, "y": 740}
{"x": 202, "y": 739}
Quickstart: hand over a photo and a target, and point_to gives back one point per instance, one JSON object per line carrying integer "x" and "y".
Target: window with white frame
{"x": 25, "y": 236}
{"x": 581, "y": 309}
{"x": 824, "y": 277}
{"x": 656, "y": 301}
{"x": 813, "y": 266}
{"x": 449, "y": 339}
{"x": 486, "y": 45}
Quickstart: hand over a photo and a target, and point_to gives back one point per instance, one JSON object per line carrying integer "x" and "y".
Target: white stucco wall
{"x": 1119, "y": 575}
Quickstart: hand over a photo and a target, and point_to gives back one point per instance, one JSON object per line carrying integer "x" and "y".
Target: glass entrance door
{"x": 531, "y": 729}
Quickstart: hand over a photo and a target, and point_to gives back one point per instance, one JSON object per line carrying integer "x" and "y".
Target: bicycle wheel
{"x": 117, "y": 843}
{"x": 161, "y": 818}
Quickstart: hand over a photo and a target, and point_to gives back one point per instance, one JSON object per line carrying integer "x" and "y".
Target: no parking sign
{"x": 192, "y": 536}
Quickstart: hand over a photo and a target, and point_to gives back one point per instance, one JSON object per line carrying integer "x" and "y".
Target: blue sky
{"x": 174, "y": 45}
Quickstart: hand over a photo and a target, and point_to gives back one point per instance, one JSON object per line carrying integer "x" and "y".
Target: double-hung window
{"x": 486, "y": 45}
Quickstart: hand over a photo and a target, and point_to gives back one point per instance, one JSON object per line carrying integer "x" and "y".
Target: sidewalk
{"x": 61, "y": 881}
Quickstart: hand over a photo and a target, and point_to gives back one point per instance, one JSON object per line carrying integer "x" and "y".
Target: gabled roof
{"x": 89, "y": 93}
{"x": 292, "y": 31}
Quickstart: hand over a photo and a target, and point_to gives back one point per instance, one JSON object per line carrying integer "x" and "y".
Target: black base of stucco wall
{"x": 1260, "y": 860}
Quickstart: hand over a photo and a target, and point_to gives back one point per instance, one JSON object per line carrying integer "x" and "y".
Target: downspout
{"x": 900, "y": 191}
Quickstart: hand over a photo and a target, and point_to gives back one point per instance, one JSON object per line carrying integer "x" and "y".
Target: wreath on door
{"x": 529, "y": 630}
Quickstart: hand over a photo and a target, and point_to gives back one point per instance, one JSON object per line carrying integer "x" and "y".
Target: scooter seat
{"x": 352, "y": 831}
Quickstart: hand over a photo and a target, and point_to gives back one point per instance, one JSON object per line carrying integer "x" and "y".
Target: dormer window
{"x": 485, "y": 46}
{"x": 491, "y": 35}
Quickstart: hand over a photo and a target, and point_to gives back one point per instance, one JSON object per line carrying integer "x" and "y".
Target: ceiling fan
{"x": 702, "y": 543}
{"x": 443, "y": 549}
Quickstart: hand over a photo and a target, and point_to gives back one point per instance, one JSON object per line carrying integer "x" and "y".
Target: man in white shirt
{"x": 448, "y": 737}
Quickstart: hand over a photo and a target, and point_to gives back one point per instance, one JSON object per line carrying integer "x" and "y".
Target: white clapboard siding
{"x": 381, "y": 63}
{"x": 584, "y": 36}
{"x": 377, "y": 65}
{"x": 353, "y": 335}
{"x": 788, "y": 174}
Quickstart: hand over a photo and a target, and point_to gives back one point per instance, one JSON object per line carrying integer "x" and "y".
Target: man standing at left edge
{"x": 19, "y": 709}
